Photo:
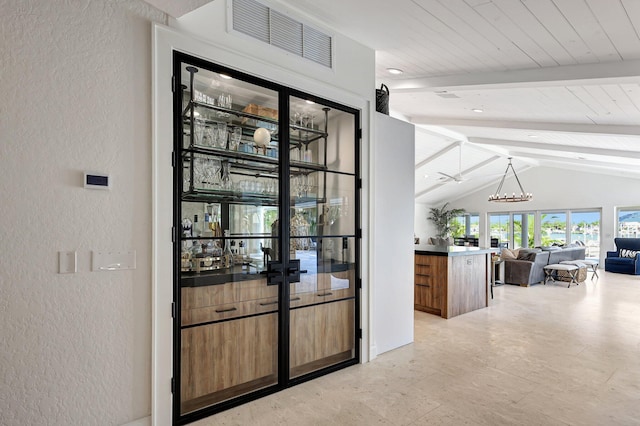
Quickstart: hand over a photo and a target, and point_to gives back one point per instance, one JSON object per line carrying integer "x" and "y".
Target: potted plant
{"x": 441, "y": 218}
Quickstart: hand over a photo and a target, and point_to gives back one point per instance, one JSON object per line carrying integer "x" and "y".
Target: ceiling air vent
{"x": 267, "y": 25}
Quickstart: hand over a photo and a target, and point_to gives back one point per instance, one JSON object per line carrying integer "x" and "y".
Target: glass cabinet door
{"x": 322, "y": 235}
{"x": 228, "y": 205}
{"x": 266, "y": 220}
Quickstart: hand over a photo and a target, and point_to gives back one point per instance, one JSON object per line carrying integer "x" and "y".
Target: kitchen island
{"x": 451, "y": 280}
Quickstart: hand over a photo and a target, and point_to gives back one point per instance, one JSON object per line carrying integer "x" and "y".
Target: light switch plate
{"x": 67, "y": 262}
{"x": 113, "y": 260}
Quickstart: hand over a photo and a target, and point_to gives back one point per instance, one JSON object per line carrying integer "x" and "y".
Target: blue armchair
{"x": 617, "y": 262}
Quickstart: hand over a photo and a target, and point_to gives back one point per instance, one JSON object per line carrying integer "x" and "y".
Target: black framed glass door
{"x": 255, "y": 161}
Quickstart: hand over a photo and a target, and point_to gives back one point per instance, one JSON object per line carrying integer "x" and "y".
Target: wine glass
{"x": 199, "y": 129}
{"x": 215, "y": 166}
{"x": 199, "y": 172}
{"x": 209, "y": 134}
{"x": 236, "y": 137}
{"x": 304, "y": 120}
{"x": 221, "y": 137}
{"x": 226, "y": 176}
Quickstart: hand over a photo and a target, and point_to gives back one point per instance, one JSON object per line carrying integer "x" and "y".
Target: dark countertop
{"x": 452, "y": 250}
{"x": 240, "y": 273}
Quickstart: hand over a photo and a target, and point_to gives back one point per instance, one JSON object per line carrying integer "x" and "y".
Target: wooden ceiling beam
{"x": 605, "y": 129}
{"x": 566, "y": 75}
{"x": 606, "y": 152}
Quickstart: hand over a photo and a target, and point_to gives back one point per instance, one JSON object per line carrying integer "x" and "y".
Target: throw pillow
{"x": 628, "y": 253}
{"x": 529, "y": 256}
{"x": 507, "y": 254}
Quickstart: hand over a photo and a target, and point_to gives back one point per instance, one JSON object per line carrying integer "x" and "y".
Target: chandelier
{"x": 524, "y": 196}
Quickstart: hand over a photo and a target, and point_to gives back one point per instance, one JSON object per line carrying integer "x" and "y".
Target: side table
{"x": 497, "y": 276}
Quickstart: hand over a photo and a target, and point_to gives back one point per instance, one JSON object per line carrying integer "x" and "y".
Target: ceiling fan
{"x": 457, "y": 178}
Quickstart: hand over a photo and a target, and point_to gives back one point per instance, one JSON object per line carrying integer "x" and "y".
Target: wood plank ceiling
{"x": 557, "y": 81}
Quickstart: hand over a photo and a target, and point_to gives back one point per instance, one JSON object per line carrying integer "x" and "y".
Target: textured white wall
{"x": 76, "y": 87}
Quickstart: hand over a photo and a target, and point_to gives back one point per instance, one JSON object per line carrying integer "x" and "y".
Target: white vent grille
{"x": 317, "y": 46}
{"x": 267, "y": 25}
{"x": 286, "y": 33}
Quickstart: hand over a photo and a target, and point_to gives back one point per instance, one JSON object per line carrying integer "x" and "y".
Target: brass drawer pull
{"x": 294, "y": 299}
{"x": 226, "y": 310}
{"x": 268, "y": 303}
{"x": 423, "y": 285}
{"x": 325, "y": 294}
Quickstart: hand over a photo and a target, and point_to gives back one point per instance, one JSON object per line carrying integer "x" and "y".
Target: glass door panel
{"x": 585, "y": 230}
{"x": 500, "y": 228}
{"x": 553, "y": 227}
{"x": 523, "y": 230}
{"x": 322, "y": 236}
{"x": 628, "y": 222}
{"x": 227, "y": 200}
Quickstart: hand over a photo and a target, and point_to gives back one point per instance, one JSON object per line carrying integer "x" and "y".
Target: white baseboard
{"x": 145, "y": 421}
{"x": 373, "y": 352}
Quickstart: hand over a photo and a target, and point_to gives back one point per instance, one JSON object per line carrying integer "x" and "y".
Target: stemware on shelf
{"x": 236, "y": 137}
{"x": 221, "y": 135}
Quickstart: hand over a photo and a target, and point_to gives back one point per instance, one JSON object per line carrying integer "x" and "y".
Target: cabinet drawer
{"x": 200, "y": 297}
{"x": 229, "y": 310}
{"x": 323, "y": 287}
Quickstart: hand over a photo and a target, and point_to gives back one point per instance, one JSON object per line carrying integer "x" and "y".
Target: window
{"x": 523, "y": 230}
{"x": 629, "y": 222}
{"x": 559, "y": 227}
{"x": 466, "y": 225}
{"x": 500, "y": 227}
{"x": 553, "y": 228}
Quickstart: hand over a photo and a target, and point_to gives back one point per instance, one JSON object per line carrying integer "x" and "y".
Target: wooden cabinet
{"x": 322, "y": 287}
{"x": 430, "y": 278}
{"x": 229, "y": 300}
{"x": 321, "y": 335}
{"x": 451, "y": 283}
{"x": 223, "y": 359}
{"x": 227, "y": 359}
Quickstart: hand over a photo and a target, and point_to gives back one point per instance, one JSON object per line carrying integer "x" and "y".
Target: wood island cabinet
{"x": 430, "y": 276}
{"x": 451, "y": 281}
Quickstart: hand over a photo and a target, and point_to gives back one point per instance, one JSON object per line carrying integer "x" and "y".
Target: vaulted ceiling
{"x": 551, "y": 83}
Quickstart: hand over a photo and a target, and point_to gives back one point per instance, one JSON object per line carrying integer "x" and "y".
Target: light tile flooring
{"x": 543, "y": 355}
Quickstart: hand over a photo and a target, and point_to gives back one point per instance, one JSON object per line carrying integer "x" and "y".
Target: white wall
{"x": 423, "y": 228}
{"x": 76, "y": 88}
{"x": 392, "y": 278}
{"x": 554, "y": 188}
{"x": 354, "y": 64}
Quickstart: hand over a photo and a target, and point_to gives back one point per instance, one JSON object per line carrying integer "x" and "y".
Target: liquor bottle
{"x": 195, "y": 230}
{"x": 228, "y": 255}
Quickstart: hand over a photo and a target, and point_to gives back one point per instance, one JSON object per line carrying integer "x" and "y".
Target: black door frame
{"x": 284, "y": 96}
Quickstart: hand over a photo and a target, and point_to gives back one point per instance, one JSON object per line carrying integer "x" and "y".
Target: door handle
{"x": 293, "y": 271}
{"x": 274, "y": 273}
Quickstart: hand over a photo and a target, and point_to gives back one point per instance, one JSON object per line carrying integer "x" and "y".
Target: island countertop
{"x": 452, "y": 250}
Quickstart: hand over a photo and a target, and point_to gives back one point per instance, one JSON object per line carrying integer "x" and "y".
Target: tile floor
{"x": 543, "y": 355}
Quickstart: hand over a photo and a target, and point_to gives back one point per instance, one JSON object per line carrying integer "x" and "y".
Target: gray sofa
{"x": 528, "y": 269}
